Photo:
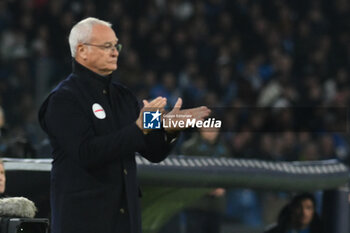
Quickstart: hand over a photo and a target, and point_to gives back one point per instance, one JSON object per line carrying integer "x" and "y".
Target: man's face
{"x": 304, "y": 213}
{"x": 2, "y": 179}
{"x": 102, "y": 59}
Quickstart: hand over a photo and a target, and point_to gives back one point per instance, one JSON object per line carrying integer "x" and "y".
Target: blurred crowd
{"x": 220, "y": 53}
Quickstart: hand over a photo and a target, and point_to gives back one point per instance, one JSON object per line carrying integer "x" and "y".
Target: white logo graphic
{"x": 151, "y": 120}
{"x": 99, "y": 111}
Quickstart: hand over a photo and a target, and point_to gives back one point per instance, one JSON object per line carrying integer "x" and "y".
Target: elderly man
{"x": 95, "y": 128}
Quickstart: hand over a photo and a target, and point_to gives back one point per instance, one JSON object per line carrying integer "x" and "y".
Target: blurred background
{"x": 219, "y": 53}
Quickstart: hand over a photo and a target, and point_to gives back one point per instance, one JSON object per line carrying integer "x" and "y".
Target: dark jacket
{"x": 94, "y": 188}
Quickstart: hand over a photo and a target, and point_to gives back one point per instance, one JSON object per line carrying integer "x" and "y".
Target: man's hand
{"x": 156, "y": 104}
{"x": 176, "y": 114}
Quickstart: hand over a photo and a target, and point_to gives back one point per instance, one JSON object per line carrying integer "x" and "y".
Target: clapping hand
{"x": 157, "y": 104}
{"x": 177, "y": 114}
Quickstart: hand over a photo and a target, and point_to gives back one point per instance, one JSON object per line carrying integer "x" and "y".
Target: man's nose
{"x": 115, "y": 52}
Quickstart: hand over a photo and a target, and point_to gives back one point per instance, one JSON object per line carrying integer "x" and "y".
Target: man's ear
{"x": 82, "y": 51}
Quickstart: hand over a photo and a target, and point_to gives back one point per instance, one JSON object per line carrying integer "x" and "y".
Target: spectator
{"x": 15, "y": 143}
{"x": 298, "y": 216}
{"x": 206, "y": 142}
{"x": 205, "y": 215}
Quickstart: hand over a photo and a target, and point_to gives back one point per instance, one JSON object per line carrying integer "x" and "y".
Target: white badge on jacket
{"x": 98, "y": 111}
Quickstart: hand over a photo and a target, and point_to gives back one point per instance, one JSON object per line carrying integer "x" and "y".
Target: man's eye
{"x": 108, "y": 46}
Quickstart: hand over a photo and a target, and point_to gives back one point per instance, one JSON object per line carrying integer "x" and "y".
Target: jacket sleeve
{"x": 71, "y": 130}
{"x": 158, "y": 145}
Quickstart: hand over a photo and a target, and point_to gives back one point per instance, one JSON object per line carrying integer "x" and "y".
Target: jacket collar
{"x": 85, "y": 73}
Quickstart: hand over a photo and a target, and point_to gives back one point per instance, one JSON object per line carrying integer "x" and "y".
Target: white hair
{"x": 81, "y": 32}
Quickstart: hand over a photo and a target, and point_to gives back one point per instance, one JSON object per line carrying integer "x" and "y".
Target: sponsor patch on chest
{"x": 98, "y": 111}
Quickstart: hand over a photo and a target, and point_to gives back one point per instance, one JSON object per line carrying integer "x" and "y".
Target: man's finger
{"x": 145, "y": 102}
{"x": 178, "y": 103}
{"x": 199, "y": 113}
{"x": 159, "y": 102}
